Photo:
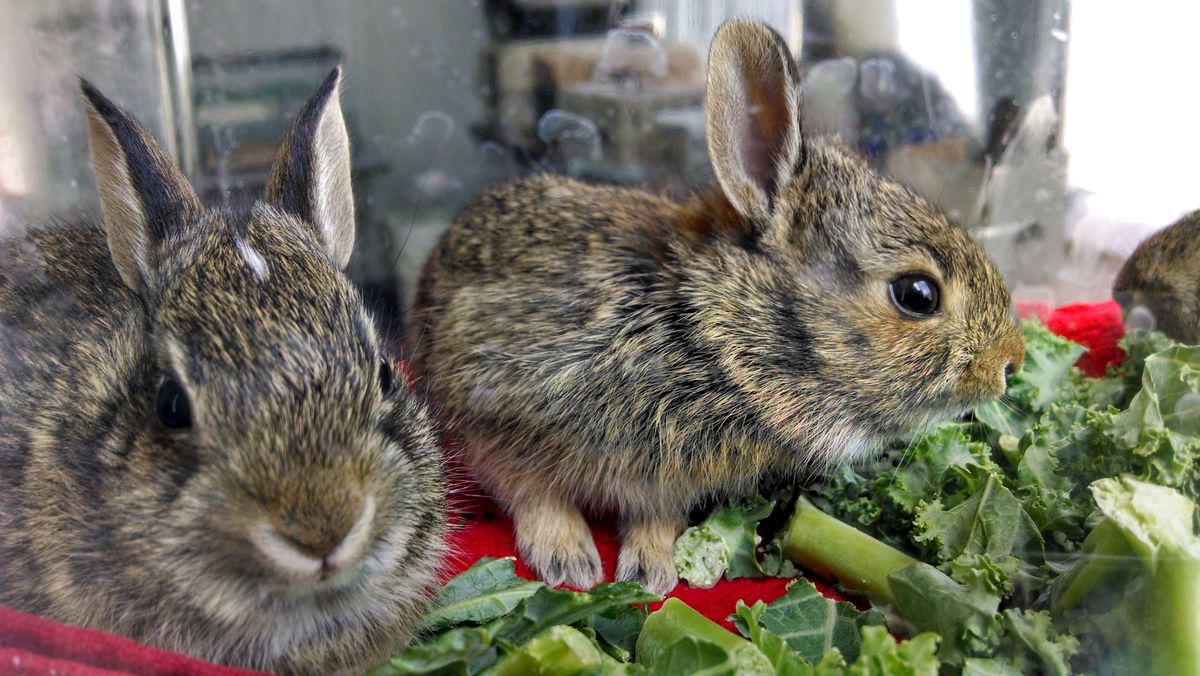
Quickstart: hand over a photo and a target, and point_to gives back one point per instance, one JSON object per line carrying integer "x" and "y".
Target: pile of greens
{"x": 489, "y": 621}
{"x": 1053, "y": 533}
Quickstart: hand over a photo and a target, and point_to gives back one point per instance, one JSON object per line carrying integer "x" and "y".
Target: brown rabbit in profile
{"x": 1159, "y": 286}
{"x": 202, "y": 443}
{"x": 609, "y": 349}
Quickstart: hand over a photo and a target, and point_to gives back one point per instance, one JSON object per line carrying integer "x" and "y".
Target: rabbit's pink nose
{"x": 320, "y": 556}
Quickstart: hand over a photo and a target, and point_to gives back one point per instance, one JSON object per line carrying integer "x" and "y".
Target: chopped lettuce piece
{"x": 701, "y": 556}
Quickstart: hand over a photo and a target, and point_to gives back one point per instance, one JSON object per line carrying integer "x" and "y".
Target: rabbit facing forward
{"x": 203, "y": 445}
{"x": 609, "y": 349}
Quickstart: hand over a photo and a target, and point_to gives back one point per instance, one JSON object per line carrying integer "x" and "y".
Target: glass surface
{"x": 46, "y": 47}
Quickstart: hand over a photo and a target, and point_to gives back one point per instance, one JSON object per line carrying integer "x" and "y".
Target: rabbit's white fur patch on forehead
{"x": 253, "y": 259}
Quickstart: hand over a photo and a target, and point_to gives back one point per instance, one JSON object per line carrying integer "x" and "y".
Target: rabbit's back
{"x": 530, "y": 267}
{"x": 557, "y": 311}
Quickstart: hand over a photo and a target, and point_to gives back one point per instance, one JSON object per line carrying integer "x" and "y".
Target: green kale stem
{"x": 1104, "y": 553}
{"x": 1176, "y": 600}
{"x": 830, "y": 547}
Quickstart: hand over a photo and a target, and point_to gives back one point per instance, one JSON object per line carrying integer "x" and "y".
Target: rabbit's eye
{"x": 385, "y": 377}
{"x": 916, "y": 294}
{"x": 174, "y": 410}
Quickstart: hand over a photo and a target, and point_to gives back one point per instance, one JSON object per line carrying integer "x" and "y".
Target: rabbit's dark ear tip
{"x": 99, "y": 102}
{"x": 89, "y": 90}
{"x": 331, "y": 80}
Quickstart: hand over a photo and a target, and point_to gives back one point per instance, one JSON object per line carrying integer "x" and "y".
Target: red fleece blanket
{"x": 32, "y": 645}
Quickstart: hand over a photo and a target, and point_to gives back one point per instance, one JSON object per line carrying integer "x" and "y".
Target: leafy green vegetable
{"x": 558, "y": 650}
{"x": 462, "y": 650}
{"x": 992, "y": 522}
{"x": 1055, "y": 530}
{"x": 784, "y": 660}
{"x": 1034, "y": 644}
{"x": 827, "y": 546}
{"x": 1002, "y": 510}
{"x": 548, "y": 607}
{"x": 725, "y": 543}
{"x": 488, "y": 589}
{"x": 965, "y": 616}
{"x": 677, "y": 639}
{"x": 812, "y": 624}
{"x": 701, "y": 556}
{"x": 876, "y": 653}
{"x": 1152, "y": 620}
{"x": 617, "y": 629}
{"x": 604, "y": 617}
{"x": 1048, "y": 369}
{"x": 882, "y": 656}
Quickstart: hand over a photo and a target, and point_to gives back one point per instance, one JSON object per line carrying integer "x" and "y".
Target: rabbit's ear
{"x": 143, "y": 194}
{"x": 311, "y": 175}
{"x": 753, "y": 112}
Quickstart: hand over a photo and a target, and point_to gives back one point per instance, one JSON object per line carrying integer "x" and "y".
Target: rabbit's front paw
{"x": 646, "y": 556}
{"x": 556, "y": 542}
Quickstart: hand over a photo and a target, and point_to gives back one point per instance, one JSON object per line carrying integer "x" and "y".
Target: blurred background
{"x": 1058, "y": 133}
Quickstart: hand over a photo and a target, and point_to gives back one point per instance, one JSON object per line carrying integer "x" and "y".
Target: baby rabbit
{"x": 202, "y": 441}
{"x": 609, "y": 349}
{"x": 1159, "y": 286}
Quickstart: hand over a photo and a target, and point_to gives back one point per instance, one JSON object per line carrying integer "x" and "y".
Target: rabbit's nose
{"x": 320, "y": 553}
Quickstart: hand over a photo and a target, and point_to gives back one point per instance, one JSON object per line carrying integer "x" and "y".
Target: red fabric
{"x": 1096, "y": 326}
{"x": 34, "y": 646}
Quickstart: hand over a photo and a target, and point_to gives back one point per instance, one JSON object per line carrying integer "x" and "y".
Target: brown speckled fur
{"x": 607, "y": 348}
{"x": 1163, "y": 276}
{"x": 108, "y": 519}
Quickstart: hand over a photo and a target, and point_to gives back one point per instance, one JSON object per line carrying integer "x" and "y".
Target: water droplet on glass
{"x": 433, "y": 125}
{"x": 630, "y": 54}
{"x": 495, "y": 161}
{"x": 569, "y": 134}
{"x": 1059, "y": 34}
{"x": 1140, "y": 317}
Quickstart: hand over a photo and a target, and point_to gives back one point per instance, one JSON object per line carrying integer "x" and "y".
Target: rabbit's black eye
{"x": 174, "y": 411}
{"x": 385, "y": 377}
{"x": 916, "y": 294}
